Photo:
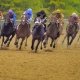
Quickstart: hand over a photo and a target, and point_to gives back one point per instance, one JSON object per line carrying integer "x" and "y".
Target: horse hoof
{"x": 35, "y": 51}
{"x": 15, "y": 43}
{"x": 54, "y": 46}
{"x": 41, "y": 48}
{"x": 16, "y": 46}
{"x": 50, "y": 45}
{"x": 19, "y": 48}
{"x": 7, "y": 45}
{"x": 25, "y": 44}
{"x": 32, "y": 48}
{"x": 44, "y": 46}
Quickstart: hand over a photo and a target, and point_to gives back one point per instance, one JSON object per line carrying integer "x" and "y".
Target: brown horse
{"x": 53, "y": 32}
{"x": 23, "y": 32}
{"x": 71, "y": 31}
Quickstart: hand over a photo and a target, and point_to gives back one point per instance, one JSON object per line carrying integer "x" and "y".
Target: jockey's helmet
{"x": 74, "y": 14}
{"x": 10, "y": 11}
{"x": 29, "y": 11}
{"x": 56, "y": 11}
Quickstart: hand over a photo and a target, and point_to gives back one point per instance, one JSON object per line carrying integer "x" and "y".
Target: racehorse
{"x": 22, "y": 32}
{"x": 37, "y": 34}
{"x": 52, "y": 32}
{"x": 7, "y": 31}
{"x": 71, "y": 32}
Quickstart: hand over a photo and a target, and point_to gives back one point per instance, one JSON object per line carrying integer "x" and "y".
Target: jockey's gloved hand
{"x": 12, "y": 20}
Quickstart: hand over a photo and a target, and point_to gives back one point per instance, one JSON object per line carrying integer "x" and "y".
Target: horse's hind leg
{"x": 37, "y": 45}
{"x": 21, "y": 43}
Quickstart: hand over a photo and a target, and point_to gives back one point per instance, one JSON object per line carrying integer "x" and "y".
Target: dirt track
{"x": 61, "y": 63}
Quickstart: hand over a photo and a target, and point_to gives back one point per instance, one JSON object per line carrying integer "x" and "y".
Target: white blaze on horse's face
{"x": 23, "y": 20}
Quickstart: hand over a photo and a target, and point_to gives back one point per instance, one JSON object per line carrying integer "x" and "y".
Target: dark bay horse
{"x": 71, "y": 32}
{"x": 7, "y": 31}
{"x": 37, "y": 34}
{"x": 23, "y": 32}
{"x": 53, "y": 32}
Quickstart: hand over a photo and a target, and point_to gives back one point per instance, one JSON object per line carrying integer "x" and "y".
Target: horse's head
{"x": 24, "y": 20}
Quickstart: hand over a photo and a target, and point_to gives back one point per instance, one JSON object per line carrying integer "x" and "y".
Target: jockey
{"x": 57, "y": 16}
{"x": 11, "y": 15}
{"x": 74, "y": 19}
{"x": 41, "y": 19}
{"x": 28, "y": 14}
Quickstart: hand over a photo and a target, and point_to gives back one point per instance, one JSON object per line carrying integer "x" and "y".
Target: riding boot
{"x": 44, "y": 27}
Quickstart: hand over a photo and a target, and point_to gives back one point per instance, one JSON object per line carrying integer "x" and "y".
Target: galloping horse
{"x": 53, "y": 32}
{"x": 23, "y": 31}
{"x": 37, "y": 34}
{"x": 8, "y": 31}
{"x": 72, "y": 31}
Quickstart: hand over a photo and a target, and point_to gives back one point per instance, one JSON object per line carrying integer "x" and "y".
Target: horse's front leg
{"x": 54, "y": 44}
{"x": 32, "y": 46}
{"x": 16, "y": 41}
{"x": 21, "y": 43}
{"x": 41, "y": 45}
{"x": 78, "y": 38}
{"x": 51, "y": 43}
{"x": 64, "y": 39}
{"x": 26, "y": 42}
{"x": 68, "y": 43}
{"x": 72, "y": 39}
{"x": 45, "y": 41}
{"x": 37, "y": 45}
{"x": 10, "y": 40}
{"x": 7, "y": 39}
